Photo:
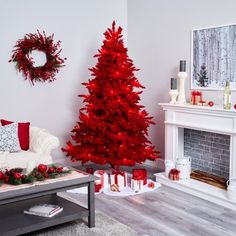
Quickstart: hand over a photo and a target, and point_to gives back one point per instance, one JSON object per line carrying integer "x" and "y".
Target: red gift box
{"x": 97, "y": 187}
{"x": 196, "y": 97}
{"x": 140, "y": 174}
{"x": 174, "y": 174}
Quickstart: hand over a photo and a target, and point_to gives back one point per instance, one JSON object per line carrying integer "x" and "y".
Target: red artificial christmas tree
{"x": 113, "y": 125}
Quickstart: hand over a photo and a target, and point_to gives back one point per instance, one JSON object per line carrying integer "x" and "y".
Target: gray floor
{"x": 167, "y": 211}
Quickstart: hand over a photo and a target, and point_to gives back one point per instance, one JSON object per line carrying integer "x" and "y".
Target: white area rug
{"x": 123, "y": 193}
{"x": 105, "y": 226}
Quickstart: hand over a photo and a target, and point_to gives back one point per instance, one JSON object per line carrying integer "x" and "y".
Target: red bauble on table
{"x": 1, "y": 175}
{"x": 17, "y": 175}
{"x": 210, "y": 103}
{"x": 51, "y": 170}
{"x": 59, "y": 169}
{"x": 42, "y": 168}
{"x": 235, "y": 106}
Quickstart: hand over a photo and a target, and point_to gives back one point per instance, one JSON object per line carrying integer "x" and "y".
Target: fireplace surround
{"x": 205, "y": 119}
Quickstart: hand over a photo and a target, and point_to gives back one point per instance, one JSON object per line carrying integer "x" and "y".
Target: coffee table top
{"x": 13, "y": 193}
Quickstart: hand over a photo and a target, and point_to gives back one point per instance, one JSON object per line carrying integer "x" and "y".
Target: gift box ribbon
{"x": 122, "y": 173}
{"x": 194, "y": 95}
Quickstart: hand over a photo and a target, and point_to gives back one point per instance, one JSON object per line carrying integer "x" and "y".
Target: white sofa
{"x": 41, "y": 145}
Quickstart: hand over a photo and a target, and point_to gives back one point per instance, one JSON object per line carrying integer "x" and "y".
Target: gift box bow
{"x": 174, "y": 172}
{"x": 196, "y": 93}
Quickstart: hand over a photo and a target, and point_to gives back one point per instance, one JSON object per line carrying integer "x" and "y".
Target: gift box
{"x": 174, "y": 174}
{"x": 89, "y": 170}
{"x": 119, "y": 178}
{"x": 103, "y": 178}
{"x": 196, "y": 97}
{"x": 136, "y": 185}
{"x": 97, "y": 187}
{"x": 140, "y": 174}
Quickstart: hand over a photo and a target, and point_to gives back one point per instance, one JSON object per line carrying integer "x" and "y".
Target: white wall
{"x": 80, "y": 25}
{"x": 159, "y": 35}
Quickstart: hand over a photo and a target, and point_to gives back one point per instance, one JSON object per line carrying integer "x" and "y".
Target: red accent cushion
{"x": 23, "y": 133}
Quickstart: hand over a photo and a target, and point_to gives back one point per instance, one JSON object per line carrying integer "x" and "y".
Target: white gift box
{"x": 136, "y": 185}
{"x": 104, "y": 178}
{"x": 119, "y": 179}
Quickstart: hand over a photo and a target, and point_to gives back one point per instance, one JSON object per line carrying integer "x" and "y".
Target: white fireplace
{"x": 210, "y": 119}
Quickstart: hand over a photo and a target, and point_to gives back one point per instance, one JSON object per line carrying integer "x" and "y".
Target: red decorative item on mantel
{"x": 140, "y": 174}
{"x": 196, "y": 97}
{"x": 210, "y": 103}
{"x": 25, "y": 63}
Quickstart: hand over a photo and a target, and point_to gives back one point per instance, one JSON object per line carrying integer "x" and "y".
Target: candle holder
{"x": 182, "y": 75}
{"x": 173, "y": 96}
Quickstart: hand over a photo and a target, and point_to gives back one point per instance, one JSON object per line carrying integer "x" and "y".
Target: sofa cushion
{"x": 9, "y": 138}
{"x": 23, "y": 133}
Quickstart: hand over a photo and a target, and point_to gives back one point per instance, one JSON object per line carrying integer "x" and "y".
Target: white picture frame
{"x": 213, "y": 57}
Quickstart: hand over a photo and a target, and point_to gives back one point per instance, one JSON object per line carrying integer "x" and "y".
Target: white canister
{"x": 169, "y": 164}
{"x": 184, "y": 166}
{"x": 231, "y": 189}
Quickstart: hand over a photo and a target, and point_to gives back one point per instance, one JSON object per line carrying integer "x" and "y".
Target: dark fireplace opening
{"x": 210, "y": 156}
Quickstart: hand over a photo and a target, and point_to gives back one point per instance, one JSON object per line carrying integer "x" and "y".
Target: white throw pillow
{"x": 9, "y": 140}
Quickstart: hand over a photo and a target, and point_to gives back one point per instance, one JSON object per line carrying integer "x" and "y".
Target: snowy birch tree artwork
{"x": 214, "y": 57}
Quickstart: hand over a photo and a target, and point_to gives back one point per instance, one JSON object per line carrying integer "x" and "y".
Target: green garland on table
{"x": 42, "y": 172}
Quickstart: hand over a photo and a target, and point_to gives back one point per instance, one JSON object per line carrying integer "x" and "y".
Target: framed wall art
{"x": 213, "y": 57}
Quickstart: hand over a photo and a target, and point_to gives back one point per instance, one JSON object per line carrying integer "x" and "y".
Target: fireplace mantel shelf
{"x": 215, "y": 110}
{"x": 211, "y": 119}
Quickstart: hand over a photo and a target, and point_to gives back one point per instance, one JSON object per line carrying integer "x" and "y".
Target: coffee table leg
{"x": 91, "y": 205}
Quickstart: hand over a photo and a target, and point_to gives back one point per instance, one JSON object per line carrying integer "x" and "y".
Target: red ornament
{"x": 42, "y": 168}
{"x": 151, "y": 185}
{"x": 59, "y": 169}
{"x": 1, "y": 175}
{"x": 113, "y": 125}
{"x": 17, "y": 175}
{"x": 51, "y": 170}
{"x": 235, "y": 106}
{"x": 25, "y": 63}
{"x": 210, "y": 104}
{"x": 23, "y": 177}
{"x": 45, "y": 175}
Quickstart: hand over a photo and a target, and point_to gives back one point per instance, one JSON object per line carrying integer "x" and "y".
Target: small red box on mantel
{"x": 140, "y": 174}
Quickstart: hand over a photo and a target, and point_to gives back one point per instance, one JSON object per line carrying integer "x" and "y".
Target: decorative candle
{"x": 182, "y": 66}
{"x": 182, "y": 75}
{"x": 173, "y": 83}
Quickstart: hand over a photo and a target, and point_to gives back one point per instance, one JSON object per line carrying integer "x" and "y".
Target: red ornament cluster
{"x": 25, "y": 64}
{"x": 113, "y": 125}
{"x": 15, "y": 176}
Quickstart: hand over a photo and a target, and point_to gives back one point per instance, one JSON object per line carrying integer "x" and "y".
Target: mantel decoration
{"x": 26, "y": 64}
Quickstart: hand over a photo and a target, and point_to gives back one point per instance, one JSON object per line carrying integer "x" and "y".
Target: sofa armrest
{"x": 41, "y": 141}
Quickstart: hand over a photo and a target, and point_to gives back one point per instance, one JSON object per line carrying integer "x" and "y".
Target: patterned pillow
{"x": 9, "y": 138}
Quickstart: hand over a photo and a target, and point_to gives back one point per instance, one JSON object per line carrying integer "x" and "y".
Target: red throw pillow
{"x": 23, "y": 133}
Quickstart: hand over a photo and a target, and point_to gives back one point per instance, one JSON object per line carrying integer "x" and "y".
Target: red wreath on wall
{"x": 25, "y": 63}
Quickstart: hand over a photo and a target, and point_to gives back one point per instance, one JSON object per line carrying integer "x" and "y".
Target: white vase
{"x": 184, "y": 166}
